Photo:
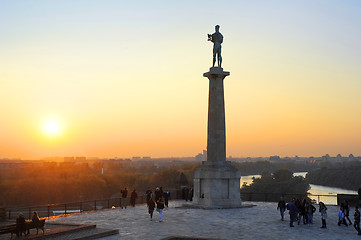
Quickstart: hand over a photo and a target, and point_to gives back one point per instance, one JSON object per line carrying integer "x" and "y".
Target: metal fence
{"x": 64, "y": 209}
{"x": 275, "y": 197}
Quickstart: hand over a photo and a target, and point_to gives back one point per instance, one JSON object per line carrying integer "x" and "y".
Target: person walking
{"x": 323, "y": 212}
{"x": 346, "y": 211}
{"x": 341, "y": 217}
{"x": 282, "y": 207}
{"x": 303, "y": 212}
{"x": 299, "y": 206}
{"x": 151, "y": 206}
{"x": 160, "y": 207}
{"x": 149, "y": 195}
{"x": 357, "y": 220}
{"x": 293, "y": 211}
{"x": 166, "y": 195}
{"x": 124, "y": 197}
{"x": 133, "y": 198}
{"x": 158, "y": 194}
{"x": 310, "y": 210}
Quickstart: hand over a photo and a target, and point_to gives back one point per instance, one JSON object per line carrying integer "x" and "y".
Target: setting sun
{"x": 52, "y": 128}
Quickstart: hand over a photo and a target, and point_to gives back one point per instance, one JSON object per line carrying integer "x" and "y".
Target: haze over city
{"x": 123, "y": 78}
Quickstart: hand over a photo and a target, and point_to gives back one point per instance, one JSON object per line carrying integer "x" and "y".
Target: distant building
{"x": 204, "y": 155}
{"x": 80, "y": 159}
{"x": 69, "y": 159}
{"x": 326, "y": 157}
{"x": 274, "y": 158}
{"x": 50, "y": 164}
{"x": 201, "y": 156}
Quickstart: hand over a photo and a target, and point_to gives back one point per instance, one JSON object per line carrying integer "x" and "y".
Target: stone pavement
{"x": 57, "y": 230}
{"x": 259, "y": 222}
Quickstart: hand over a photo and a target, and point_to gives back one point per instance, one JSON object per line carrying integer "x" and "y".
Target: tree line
{"x": 51, "y": 183}
{"x": 276, "y": 184}
{"x": 348, "y": 177}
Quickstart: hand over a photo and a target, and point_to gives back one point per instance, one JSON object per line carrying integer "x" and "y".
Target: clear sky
{"x": 124, "y": 78}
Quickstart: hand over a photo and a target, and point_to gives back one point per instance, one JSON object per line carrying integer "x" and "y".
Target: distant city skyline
{"x": 117, "y": 78}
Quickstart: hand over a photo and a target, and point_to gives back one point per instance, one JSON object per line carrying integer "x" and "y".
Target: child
{"x": 341, "y": 217}
{"x": 151, "y": 206}
{"x": 160, "y": 207}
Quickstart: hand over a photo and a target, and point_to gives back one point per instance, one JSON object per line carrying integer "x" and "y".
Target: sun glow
{"x": 51, "y": 128}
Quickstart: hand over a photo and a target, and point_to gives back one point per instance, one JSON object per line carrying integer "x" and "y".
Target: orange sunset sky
{"x": 124, "y": 78}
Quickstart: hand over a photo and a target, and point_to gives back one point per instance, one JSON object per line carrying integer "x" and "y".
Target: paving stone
{"x": 259, "y": 222}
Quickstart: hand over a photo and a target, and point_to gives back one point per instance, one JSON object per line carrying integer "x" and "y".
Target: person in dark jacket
{"x": 160, "y": 207}
{"x": 190, "y": 194}
{"x": 303, "y": 212}
{"x": 346, "y": 211}
{"x": 158, "y": 194}
{"x": 293, "y": 211}
{"x": 124, "y": 197}
{"x": 151, "y": 206}
{"x": 323, "y": 212}
{"x": 20, "y": 225}
{"x": 282, "y": 207}
{"x": 310, "y": 209}
{"x": 357, "y": 220}
{"x": 133, "y": 198}
{"x": 166, "y": 196}
{"x": 148, "y": 194}
{"x": 185, "y": 193}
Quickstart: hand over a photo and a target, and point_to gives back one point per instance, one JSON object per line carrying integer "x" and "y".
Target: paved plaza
{"x": 259, "y": 222}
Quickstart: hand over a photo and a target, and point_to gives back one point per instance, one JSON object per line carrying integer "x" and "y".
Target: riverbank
{"x": 326, "y": 194}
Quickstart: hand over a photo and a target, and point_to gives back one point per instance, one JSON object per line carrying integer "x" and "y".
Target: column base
{"x": 217, "y": 186}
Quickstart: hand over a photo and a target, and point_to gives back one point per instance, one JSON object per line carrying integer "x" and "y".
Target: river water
{"x": 328, "y": 193}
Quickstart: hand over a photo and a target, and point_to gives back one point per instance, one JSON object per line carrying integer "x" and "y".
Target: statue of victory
{"x": 217, "y": 39}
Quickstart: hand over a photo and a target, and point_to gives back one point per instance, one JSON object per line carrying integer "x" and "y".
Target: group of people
{"x": 301, "y": 210}
{"x": 20, "y": 223}
{"x": 304, "y": 210}
{"x": 344, "y": 213}
{"x": 124, "y": 201}
{"x": 160, "y": 201}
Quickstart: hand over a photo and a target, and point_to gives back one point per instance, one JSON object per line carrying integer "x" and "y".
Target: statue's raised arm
{"x": 217, "y": 39}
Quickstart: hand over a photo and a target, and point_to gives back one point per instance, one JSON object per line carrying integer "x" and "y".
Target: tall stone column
{"x": 216, "y": 139}
{"x": 216, "y": 181}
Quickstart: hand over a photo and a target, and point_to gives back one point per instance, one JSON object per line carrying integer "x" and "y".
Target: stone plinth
{"x": 216, "y": 181}
{"x": 217, "y": 185}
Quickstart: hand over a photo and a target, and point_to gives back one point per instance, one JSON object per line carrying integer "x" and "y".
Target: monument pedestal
{"x": 216, "y": 181}
{"x": 217, "y": 186}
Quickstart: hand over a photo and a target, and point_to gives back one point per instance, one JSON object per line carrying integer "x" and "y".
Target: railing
{"x": 275, "y": 197}
{"x": 64, "y": 209}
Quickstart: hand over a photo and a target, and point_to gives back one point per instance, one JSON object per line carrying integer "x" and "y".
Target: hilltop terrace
{"x": 262, "y": 221}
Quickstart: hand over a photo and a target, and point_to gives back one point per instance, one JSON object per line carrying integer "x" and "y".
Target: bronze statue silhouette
{"x": 216, "y": 38}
